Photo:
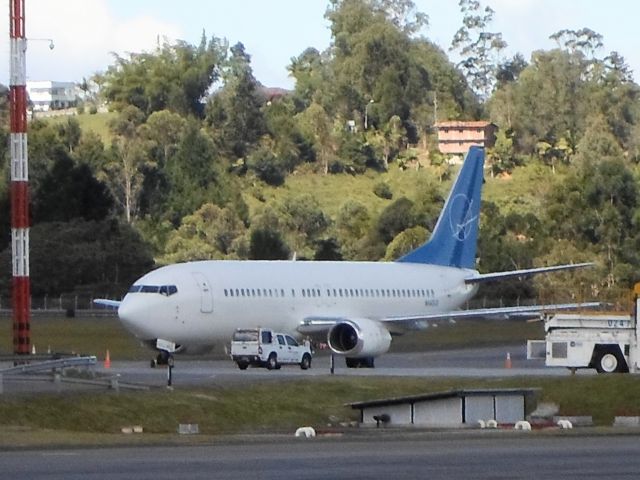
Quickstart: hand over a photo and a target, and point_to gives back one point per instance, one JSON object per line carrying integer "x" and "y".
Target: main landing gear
{"x": 365, "y": 362}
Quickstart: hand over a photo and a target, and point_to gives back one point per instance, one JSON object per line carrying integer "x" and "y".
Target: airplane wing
{"x": 489, "y": 277}
{"x": 107, "y": 303}
{"x": 320, "y": 325}
{"x": 501, "y": 313}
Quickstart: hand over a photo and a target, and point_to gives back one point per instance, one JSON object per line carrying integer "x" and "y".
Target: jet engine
{"x": 359, "y": 337}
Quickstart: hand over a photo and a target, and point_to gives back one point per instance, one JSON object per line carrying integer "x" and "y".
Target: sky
{"x": 86, "y": 32}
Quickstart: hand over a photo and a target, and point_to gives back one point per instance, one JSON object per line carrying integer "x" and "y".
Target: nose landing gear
{"x": 164, "y": 358}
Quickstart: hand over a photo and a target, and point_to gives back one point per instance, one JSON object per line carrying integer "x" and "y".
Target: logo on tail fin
{"x": 461, "y": 203}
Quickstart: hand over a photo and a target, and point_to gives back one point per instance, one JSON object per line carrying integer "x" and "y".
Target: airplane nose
{"x": 133, "y": 315}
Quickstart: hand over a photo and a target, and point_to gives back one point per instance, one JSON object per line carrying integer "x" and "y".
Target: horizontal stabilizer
{"x": 107, "y": 303}
{"x": 490, "y": 277}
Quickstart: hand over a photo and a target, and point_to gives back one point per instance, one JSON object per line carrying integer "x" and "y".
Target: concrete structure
{"x": 456, "y": 137}
{"x": 49, "y": 95}
{"x": 452, "y": 409}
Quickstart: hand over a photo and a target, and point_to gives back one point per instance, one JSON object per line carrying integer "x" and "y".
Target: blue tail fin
{"x": 454, "y": 239}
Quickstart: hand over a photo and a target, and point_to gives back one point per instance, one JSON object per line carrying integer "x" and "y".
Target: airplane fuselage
{"x": 200, "y": 304}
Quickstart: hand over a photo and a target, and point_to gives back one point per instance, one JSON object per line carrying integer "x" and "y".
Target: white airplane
{"x": 354, "y": 306}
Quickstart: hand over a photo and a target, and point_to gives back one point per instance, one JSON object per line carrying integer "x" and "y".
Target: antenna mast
{"x": 21, "y": 293}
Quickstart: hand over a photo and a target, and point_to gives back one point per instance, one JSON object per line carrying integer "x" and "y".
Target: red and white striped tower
{"x": 19, "y": 181}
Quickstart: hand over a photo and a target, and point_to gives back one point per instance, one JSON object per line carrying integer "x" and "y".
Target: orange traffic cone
{"x": 507, "y": 361}
{"x": 107, "y": 360}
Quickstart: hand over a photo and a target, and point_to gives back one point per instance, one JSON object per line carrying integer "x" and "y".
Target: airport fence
{"x": 67, "y": 305}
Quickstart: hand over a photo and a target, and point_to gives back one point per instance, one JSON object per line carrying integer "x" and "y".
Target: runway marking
{"x": 60, "y": 454}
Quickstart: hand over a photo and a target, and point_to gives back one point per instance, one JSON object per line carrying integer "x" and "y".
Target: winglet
{"x": 454, "y": 239}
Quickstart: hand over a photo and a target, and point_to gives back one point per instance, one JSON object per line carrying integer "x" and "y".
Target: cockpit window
{"x": 166, "y": 290}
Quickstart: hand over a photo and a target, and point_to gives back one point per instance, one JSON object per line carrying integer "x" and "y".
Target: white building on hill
{"x": 49, "y": 95}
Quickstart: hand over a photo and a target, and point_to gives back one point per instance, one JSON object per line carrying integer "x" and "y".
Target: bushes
{"x": 382, "y": 190}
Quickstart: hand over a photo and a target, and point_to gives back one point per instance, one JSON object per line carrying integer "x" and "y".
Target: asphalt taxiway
{"x": 496, "y": 455}
{"x": 467, "y": 363}
{"x": 486, "y": 362}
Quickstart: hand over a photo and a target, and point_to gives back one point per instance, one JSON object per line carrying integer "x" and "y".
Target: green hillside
{"x": 97, "y": 123}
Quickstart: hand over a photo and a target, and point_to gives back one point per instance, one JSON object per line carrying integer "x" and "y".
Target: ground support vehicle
{"x": 260, "y": 347}
{"x": 606, "y": 342}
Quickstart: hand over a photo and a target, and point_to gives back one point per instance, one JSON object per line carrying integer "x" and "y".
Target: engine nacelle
{"x": 359, "y": 337}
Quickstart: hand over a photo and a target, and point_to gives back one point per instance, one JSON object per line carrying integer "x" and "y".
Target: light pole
{"x": 50, "y": 40}
{"x": 366, "y": 113}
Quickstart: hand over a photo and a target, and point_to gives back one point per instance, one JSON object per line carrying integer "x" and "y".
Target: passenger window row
{"x": 332, "y": 292}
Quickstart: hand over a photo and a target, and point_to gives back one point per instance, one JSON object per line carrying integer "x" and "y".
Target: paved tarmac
{"x": 494, "y": 455}
{"x": 189, "y": 371}
{"x": 478, "y": 363}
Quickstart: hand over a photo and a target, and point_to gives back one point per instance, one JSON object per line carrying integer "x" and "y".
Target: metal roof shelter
{"x": 450, "y": 409}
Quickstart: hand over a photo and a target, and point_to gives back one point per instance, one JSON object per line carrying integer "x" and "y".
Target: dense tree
{"x": 193, "y": 173}
{"x": 208, "y": 186}
{"x": 328, "y": 250}
{"x": 126, "y": 160}
{"x": 316, "y": 125}
{"x": 548, "y": 100}
{"x": 398, "y": 216}
{"x": 501, "y": 157}
{"x": 304, "y": 218}
{"x": 596, "y": 206}
{"x": 507, "y": 243}
{"x": 98, "y": 257}
{"x": 71, "y": 191}
{"x": 70, "y": 133}
{"x": 406, "y": 241}
{"x": 174, "y": 77}
{"x": 371, "y": 59}
{"x": 288, "y": 141}
{"x": 234, "y": 112}
{"x": 267, "y": 244}
{"x": 266, "y": 166}
{"x": 90, "y": 151}
{"x": 165, "y": 129}
{"x": 209, "y": 233}
{"x": 310, "y": 71}
{"x": 45, "y": 147}
{"x": 478, "y": 48}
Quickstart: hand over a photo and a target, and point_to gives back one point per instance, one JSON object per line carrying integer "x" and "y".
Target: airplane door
{"x": 206, "y": 296}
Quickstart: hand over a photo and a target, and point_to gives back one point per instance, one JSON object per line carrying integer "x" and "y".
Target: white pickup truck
{"x": 260, "y": 347}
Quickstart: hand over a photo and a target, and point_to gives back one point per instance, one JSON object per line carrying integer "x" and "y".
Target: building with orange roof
{"x": 455, "y": 137}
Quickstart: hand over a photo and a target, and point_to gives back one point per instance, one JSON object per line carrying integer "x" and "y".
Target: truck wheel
{"x": 272, "y": 362}
{"x": 610, "y": 360}
{"x": 305, "y": 364}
